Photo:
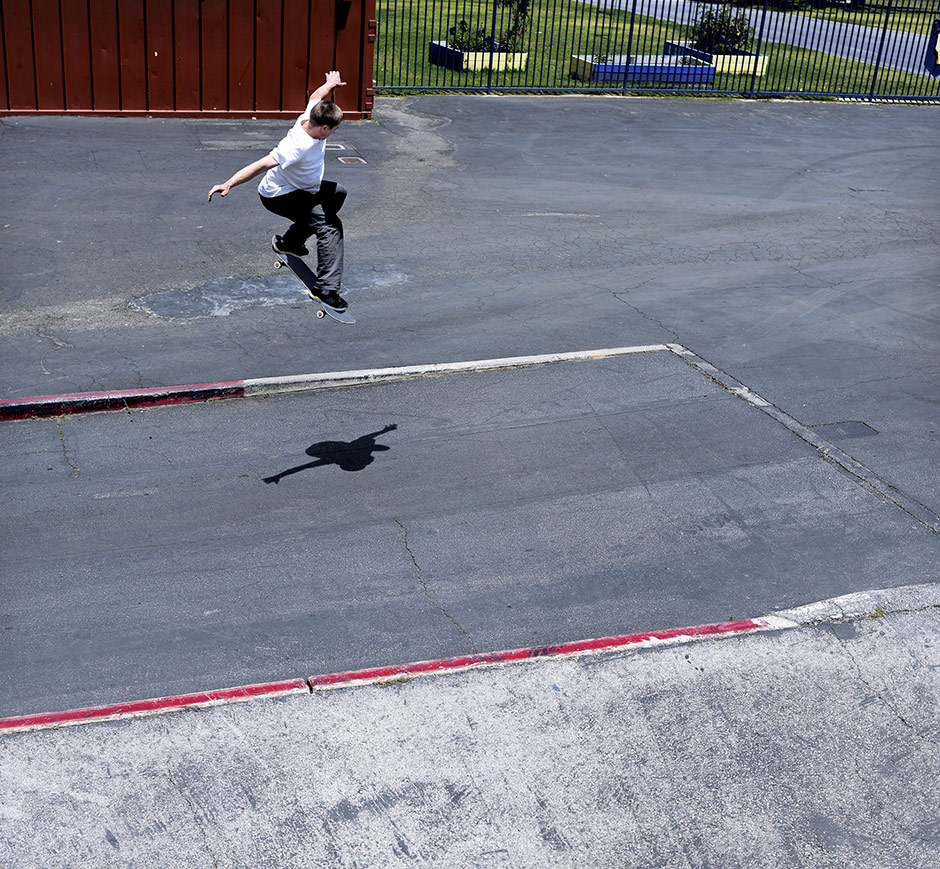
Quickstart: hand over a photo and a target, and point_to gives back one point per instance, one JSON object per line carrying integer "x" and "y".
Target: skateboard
{"x": 309, "y": 280}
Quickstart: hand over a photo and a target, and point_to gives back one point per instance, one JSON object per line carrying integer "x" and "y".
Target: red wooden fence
{"x": 227, "y": 58}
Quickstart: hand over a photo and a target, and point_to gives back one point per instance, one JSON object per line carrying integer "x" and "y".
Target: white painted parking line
{"x": 269, "y": 385}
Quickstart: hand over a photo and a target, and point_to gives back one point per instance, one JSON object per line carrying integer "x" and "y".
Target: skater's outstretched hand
{"x": 252, "y": 170}
{"x": 222, "y": 189}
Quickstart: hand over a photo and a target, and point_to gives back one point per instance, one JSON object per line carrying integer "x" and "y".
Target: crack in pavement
{"x": 876, "y": 692}
{"x": 675, "y": 335}
{"x": 65, "y": 450}
{"x": 416, "y": 570}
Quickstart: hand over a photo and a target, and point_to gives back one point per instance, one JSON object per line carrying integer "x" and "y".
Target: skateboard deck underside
{"x": 309, "y": 280}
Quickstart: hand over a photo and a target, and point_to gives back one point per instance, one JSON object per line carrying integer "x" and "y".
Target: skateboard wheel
{"x": 279, "y": 265}
{"x": 321, "y": 315}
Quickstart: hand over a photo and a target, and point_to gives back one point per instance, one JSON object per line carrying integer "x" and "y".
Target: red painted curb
{"x": 89, "y": 402}
{"x": 140, "y": 708}
{"x": 151, "y": 707}
{"x": 120, "y": 399}
{"x": 378, "y": 674}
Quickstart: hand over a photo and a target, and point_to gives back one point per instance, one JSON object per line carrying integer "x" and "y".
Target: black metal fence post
{"x": 489, "y": 72}
{"x": 760, "y": 39}
{"x": 629, "y": 43}
{"x": 881, "y": 48}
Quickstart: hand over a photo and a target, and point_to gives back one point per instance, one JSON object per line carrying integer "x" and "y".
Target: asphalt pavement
{"x": 255, "y": 540}
{"x": 773, "y": 442}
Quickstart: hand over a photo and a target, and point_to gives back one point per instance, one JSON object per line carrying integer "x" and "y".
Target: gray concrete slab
{"x": 808, "y": 747}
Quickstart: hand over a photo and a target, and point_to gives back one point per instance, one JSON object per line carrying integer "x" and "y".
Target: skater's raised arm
{"x": 252, "y": 170}
{"x": 333, "y": 80}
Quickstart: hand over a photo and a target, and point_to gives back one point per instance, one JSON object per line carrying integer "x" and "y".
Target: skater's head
{"x": 324, "y": 118}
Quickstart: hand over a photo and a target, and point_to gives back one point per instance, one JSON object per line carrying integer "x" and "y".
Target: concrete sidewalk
{"x": 809, "y": 746}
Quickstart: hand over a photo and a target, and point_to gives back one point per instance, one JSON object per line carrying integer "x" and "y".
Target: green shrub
{"x": 719, "y": 32}
{"x": 462, "y": 38}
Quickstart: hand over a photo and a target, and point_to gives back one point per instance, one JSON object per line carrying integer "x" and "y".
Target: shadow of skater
{"x": 349, "y": 456}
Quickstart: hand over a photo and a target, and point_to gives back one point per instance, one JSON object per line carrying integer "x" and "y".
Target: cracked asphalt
{"x": 791, "y": 458}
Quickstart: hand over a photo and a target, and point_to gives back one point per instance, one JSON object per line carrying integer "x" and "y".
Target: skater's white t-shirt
{"x": 299, "y": 163}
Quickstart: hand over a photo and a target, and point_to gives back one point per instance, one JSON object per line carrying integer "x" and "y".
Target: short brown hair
{"x": 326, "y": 113}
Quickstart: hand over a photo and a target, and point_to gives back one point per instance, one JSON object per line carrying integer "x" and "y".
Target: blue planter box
{"x": 654, "y": 69}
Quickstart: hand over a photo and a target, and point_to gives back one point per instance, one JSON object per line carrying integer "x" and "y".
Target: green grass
{"x": 558, "y": 29}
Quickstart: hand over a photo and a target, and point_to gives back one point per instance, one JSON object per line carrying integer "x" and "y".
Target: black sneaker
{"x": 333, "y": 299}
{"x": 281, "y": 246}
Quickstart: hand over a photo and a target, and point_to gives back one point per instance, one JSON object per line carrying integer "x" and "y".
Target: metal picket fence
{"x": 819, "y": 48}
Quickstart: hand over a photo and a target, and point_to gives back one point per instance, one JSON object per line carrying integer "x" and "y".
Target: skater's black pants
{"x": 315, "y": 214}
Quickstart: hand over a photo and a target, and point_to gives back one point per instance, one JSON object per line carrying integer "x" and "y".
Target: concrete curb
{"x": 866, "y": 604}
{"x": 377, "y": 675}
{"x": 119, "y": 399}
{"x": 870, "y": 604}
{"x": 628, "y": 642}
{"x": 156, "y": 706}
{"x": 126, "y": 399}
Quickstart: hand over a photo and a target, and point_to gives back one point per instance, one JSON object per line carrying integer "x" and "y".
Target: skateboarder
{"x": 293, "y": 187}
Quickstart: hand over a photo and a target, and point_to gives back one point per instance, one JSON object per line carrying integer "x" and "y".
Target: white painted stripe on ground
{"x": 914, "y": 508}
{"x": 298, "y": 382}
